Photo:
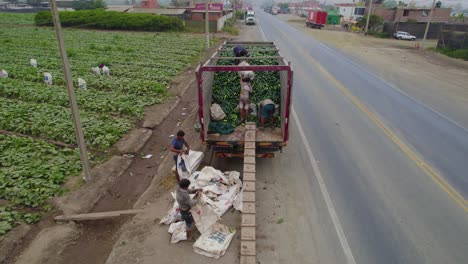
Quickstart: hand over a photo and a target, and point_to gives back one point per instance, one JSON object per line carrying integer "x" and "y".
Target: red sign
{"x": 211, "y": 6}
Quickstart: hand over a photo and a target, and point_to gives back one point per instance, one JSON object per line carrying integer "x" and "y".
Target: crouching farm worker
{"x": 239, "y": 52}
{"x": 267, "y": 113}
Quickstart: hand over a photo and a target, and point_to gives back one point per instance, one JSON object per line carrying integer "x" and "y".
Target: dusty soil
{"x": 436, "y": 80}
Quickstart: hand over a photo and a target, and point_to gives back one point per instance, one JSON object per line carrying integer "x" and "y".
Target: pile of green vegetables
{"x": 226, "y": 89}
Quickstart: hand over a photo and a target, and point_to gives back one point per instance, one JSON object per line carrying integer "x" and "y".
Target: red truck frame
{"x": 233, "y": 146}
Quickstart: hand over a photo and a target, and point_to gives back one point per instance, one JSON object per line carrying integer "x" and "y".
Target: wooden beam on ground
{"x": 97, "y": 216}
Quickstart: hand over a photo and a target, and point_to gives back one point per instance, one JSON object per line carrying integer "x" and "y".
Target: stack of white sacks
{"x": 221, "y": 191}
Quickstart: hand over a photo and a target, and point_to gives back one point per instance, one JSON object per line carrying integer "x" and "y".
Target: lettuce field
{"x": 33, "y": 113}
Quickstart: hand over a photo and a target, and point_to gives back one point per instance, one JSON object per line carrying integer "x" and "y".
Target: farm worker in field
{"x": 240, "y": 51}
{"x": 186, "y": 203}
{"x": 177, "y": 146}
{"x": 266, "y": 108}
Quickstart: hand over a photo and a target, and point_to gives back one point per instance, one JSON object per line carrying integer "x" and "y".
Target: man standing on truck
{"x": 244, "y": 98}
{"x": 240, "y": 51}
{"x": 186, "y": 203}
{"x": 266, "y": 108}
{"x": 177, "y": 146}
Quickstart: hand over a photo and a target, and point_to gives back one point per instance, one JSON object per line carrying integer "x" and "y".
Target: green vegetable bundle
{"x": 226, "y": 86}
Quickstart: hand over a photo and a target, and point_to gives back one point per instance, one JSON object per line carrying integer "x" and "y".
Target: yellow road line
{"x": 439, "y": 180}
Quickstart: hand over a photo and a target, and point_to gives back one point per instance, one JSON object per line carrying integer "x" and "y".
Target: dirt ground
{"x": 436, "y": 80}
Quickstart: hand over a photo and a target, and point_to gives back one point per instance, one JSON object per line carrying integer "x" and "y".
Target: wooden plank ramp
{"x": 248, "y": 225}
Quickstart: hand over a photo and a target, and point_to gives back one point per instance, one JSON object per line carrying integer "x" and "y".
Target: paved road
{"x": 394, "y": 169}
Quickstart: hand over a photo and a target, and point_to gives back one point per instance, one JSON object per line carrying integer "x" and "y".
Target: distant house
{"x": 350, "y": 11}
{"x": 403, "y": 14}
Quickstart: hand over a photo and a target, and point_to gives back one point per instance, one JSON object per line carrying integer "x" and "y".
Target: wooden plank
{"x": 249, "y": 168}
{"x": 248, "y": 248}
{"x": 250, "y": 136}
{"x": 249, "y": 152}
{"x": 248, "y": 233}
{"x": 249, "y": 186}
{"x": 249, "y": 145}
{"x": 248, "y": 220}
{"x": 249, "y": 176}
{"x": 248, "y": 207}
{"x": 97, "y": 216}
{"x": 248, "y": 196}
{"x": 248, "y": 260}
{"x": 249, "y": 160}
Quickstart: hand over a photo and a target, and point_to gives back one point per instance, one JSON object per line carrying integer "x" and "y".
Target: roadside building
{"x": 350, "y": 11}
{"x": 412, "y": 14}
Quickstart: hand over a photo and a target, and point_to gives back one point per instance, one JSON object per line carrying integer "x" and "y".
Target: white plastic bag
{"x": 178, "y": 231}
{"x": 204, "y": 216}
{"x": 81, "y": 84}
{"x": 48, "y": 78}
{"x": 217, "y": 112}
{"x": 188, "y": 164}
{"x": 253, "y": 109}
{"x": 214, "y": 242}
{"x": 33, "y": 63}
{"x": 244, "y": 74}
{"x": 3, "y": 74}
{"x": 96, "y": 70}
{"x": 106, "y": 70}
{"x": 172, "y": 216}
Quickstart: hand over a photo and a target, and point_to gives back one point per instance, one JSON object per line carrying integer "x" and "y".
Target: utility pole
{"x": 71, "y": 93}
{"x": 368, "y": 17}
{"x": 428, "y": 23}
{"x": 207, "y": 25}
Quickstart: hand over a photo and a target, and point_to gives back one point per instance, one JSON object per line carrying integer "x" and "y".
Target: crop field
{"x": 33, "y": 113}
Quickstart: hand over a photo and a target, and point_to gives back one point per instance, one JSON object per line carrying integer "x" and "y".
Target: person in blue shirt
{"x": 240, "y": 51}
{"x": 177, "y": 146}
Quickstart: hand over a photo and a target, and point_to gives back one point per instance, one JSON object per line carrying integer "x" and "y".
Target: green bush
{"x": 378, "y": 34}
{"x": 100, "y": 19}
{"x": 239, "y": 14}
{"x": 454, "y": 53}
{"x": 231, "y": 30}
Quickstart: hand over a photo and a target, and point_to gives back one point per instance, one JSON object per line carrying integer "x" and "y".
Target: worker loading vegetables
{"x": 266, "y": 108}
{"x": 240, "y": 51}
{"x": 246, "y": 78}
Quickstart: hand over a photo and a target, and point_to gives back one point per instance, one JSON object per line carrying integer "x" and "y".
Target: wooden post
{"x": 71, "y": 93}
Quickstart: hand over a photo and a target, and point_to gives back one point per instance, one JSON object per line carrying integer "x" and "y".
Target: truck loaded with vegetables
{"x": 219, "y": 88}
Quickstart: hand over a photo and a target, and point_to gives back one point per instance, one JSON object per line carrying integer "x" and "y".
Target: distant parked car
{"x": 250, "y": 18}
{"x": 403, "y": 35}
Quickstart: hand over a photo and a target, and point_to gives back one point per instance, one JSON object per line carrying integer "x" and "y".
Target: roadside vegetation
{"x": 37, "y": 141}
{"x": 454, "y": 53}
{"x": 110, "y": 20}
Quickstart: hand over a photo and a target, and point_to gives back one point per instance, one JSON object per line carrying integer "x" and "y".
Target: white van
{"x": 250, "y": 18}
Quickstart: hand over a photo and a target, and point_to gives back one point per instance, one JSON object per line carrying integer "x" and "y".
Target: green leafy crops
{"x": 141, "y": 67}
{"x": 226, "y": 87}
{"x": 32, "y": 171}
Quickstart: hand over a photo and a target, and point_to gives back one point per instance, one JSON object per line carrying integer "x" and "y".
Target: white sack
{"x": 81, "y": 84}
{"x": 96, "y": 70}
{"x": 178, "y": 231}
{"x": 48, "y": 78}
{"x": 33, "y": 63}
{"x": 3, "y": 74}
{"x": 217, "y": 112}
{"x": 105, "y": 70}
{"x": 188, "y": 164}
{"x": 204, "y": 216}
{"x": 215, "y": 242}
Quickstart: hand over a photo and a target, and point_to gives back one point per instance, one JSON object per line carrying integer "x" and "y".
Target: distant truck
{"x": 250, "y": 18}
{"x": 232, "y": 145}
{"x": 316, "y": 19}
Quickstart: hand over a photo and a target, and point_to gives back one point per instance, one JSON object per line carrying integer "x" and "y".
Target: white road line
{"x": 326, "y": 196}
